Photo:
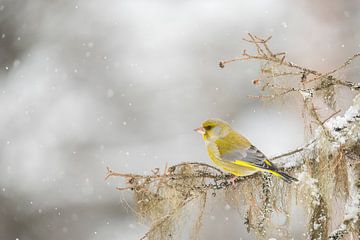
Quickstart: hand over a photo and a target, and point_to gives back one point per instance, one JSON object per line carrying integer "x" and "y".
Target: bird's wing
{"x": 251, "y": 156}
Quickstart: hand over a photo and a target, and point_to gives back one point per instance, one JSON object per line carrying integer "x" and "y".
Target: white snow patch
{"x": 312, "y": 184}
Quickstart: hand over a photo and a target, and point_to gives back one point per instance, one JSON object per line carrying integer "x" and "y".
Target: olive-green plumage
{"x": 234, "y": 153}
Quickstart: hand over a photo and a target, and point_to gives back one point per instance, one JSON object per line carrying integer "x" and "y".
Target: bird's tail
{"x": 284, "y": 176}
{"x": 274, "y": 170}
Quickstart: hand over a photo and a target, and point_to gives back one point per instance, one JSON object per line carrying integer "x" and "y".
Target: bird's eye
{"x": 207, "y": 128}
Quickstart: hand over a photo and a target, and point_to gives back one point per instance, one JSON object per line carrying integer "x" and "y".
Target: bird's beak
{"x": 200, "y": 130}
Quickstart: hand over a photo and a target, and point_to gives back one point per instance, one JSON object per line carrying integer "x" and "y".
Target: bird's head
{"x": 213, "y": 129}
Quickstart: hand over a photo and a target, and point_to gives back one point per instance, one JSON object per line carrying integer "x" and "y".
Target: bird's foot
{"x": 232, "y": 180}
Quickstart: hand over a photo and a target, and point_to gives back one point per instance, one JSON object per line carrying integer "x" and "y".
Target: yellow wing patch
{"x": 267, "y": 162}
{"x": 249, "y": 165}
{"x": 245, "y": 164}
{"x": 274, "y": 173}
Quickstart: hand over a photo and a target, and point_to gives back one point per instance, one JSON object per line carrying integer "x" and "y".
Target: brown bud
{"x": 256, "y": 82}
{"x": 222, "y": 64}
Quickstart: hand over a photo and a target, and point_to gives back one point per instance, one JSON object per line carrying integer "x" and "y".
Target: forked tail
{"x": 270, "y": 167}
{"x": 287, "y": 178}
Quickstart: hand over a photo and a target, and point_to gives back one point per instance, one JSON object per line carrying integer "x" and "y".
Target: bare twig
{"x": 332, "y": 115}
{"x": 344, "y": 65}
{"x": 297, "y": 150}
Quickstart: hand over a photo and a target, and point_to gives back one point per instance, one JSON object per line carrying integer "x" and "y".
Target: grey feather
{"x": 257, "y": 158}
{"x": 251, "y": 155}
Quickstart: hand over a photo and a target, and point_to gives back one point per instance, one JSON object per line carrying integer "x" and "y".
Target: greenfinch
{"x": 233, "y": 153}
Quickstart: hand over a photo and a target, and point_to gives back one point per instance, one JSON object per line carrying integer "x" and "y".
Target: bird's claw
{"x": 233, "y": 180}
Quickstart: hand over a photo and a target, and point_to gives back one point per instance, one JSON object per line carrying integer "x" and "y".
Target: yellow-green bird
{"x": 234, "y": 153}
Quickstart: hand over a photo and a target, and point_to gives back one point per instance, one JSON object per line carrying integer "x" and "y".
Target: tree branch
{"x": 162, "y": 197}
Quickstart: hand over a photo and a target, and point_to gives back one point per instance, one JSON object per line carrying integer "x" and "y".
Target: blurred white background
{"x": 87, "y": 84}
